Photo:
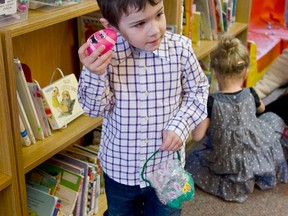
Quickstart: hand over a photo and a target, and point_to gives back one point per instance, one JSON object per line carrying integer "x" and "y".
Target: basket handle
{"x": 145, "y": 164}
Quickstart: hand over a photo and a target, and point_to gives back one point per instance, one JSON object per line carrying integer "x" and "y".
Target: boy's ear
{"x": 105, "y": 23}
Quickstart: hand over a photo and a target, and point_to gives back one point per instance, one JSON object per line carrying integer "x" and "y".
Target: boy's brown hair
{"x": 112, "y": 10}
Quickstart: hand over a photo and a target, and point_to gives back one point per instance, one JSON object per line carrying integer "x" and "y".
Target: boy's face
{"x": 144, "y": 29}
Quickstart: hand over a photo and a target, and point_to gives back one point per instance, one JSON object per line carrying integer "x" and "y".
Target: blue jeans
{"x": 126, "y": 200}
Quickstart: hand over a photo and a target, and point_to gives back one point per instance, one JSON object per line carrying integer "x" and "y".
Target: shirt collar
{"x": 123, "y": 50}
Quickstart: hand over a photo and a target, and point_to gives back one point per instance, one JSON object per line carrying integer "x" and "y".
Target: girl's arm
{"x": 199, "y": 132}
{"x": 261, "y": 108}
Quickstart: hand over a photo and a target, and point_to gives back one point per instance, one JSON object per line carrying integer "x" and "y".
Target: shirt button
{"x": 147, "y": 93}
{"x": 146, "y": 118}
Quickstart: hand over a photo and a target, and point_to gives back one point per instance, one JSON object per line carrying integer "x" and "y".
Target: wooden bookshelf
{"x": 9, "y": 189}
{"x": 61, "y": 139}
{"x": 44, "y": 41}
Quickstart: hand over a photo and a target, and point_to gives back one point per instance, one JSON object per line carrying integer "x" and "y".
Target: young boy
{"x": 151, "y": 93}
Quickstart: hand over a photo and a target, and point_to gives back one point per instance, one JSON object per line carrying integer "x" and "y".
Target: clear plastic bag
{"x": 173, "y": 184}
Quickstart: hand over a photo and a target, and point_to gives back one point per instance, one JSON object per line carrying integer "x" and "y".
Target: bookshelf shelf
{"x": 41, "y": 151}
{"x": 44, "y": 41}
{"x": 5, "y": 181}
{"x": 39, "y": 19}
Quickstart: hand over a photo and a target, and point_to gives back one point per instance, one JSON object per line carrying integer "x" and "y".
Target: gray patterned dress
{"x": 240, "y": 150}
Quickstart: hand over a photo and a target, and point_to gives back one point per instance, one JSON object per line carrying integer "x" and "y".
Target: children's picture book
{"x": 24, "y": 135}
{"x": 203, "y": 8}
{"x": 61, "y": 97}
{"x": 39, "y": 107}
{"x": 69, "y": 187}
{"x": 196, "y": 28}
{"x": 26, "y": 99}
{"x": 8, "y": 7}
{"x": 88, "y": 24}
{"x": 24, "y": 119}
{"x": 38, "y": 176}
{"x": 40, "y": 203}
{"x": 187, "y": 19}
{"x": 81, "y": 206}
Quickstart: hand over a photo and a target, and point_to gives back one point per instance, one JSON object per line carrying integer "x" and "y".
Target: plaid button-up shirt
{"x": 140, "y": 95}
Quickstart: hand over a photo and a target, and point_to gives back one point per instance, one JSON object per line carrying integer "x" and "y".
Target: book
{"x": 196, "y": 31}
{"x": 26, "y": 99}
{"x": 95, "y": 178}
{"x": 93, "y": 170}
{"x": 213, "y": 21}
{"x": 39, "y": 107}
{"x": 219, "y": 17}
{"x": 25, "y": 138}
{"x": 43, "y": 178}
{"x": 39, "y": 186}
{"x": 81, "y": 155}
{"x": 24, "y": 119}
{"x": 61, "y": 98}
{"x": 187, "y": 19}
{"x": 81, "y": 207}
{"x": 40, "y": 203}
{"x": 203, "y": 8}
{"x": 88, "y": 24}
{"x": 69, "y": 187}
{"x": 76, "y": 169}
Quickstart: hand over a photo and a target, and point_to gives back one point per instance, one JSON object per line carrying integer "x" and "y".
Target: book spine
{"x": 25, "y": 120}
{"x": 41, "y": 105}
{"x": 24, "y": 93}
{"x": 25, "y": 138}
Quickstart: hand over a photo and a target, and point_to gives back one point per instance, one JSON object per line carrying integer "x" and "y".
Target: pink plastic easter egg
{"x": 107, "y": 37}
{"x": 22, "y": 7}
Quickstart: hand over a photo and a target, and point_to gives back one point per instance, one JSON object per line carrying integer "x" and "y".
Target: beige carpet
{"x": 272, "y": 202}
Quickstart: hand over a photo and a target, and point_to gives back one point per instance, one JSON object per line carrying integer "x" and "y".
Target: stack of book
{"x": 206, "y": 20}
{"x": 66, "y": 184}
{"x": 46, "y": 109}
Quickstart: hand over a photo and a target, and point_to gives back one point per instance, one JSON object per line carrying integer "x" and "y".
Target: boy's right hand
{"x": 94, "y": 63}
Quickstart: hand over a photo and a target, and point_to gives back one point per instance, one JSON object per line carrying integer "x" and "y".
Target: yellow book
{"x": 196, "y": 28}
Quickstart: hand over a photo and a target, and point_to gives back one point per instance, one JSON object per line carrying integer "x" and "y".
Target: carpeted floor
{"x": 272, "y": 202}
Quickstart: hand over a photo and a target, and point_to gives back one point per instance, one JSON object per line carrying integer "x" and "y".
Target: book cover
{"x": 213, "y": 21}
{"x": 81, "y": 207}
{"x": 203, "y": 8}
{"x": 43, "y": 178}
{"x": 40, "y": 203}
{"x": 39, "y": 186}
{"x": 24, "y": 135}
{"x": 26, "y": 99}
{"x": 88, "y": 24}
{"x": 61, "y": 97}
{"x": 24, "y": 118}
{"x": 39, "y": 107}
{"x": 187, "y": 19}
{"x": 219, "y": 16}
{"x": 196, "y": 31}
{"x": 69, "y": 187}
{"x": 81, "y": 155}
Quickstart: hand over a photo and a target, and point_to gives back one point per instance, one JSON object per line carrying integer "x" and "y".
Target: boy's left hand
{"x": 171, "y": 141}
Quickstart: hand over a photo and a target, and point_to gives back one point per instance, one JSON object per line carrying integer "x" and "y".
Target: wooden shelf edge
{"x": 5, "y": 181}
{"x": 42, "y": 150}
{"x": 39, "y": 19}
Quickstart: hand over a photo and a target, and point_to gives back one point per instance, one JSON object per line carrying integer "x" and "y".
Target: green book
{"x": 39, "y": 202}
